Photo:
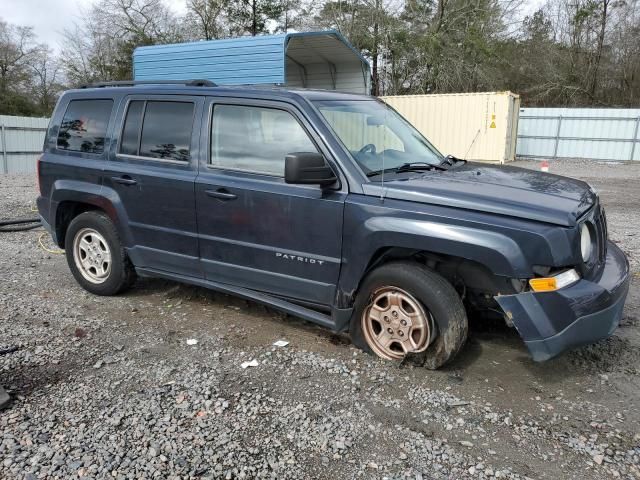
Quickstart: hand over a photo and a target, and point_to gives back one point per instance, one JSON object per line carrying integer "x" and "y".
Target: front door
{"x": 152, "y": 168}
{"x": 256, "y": 231}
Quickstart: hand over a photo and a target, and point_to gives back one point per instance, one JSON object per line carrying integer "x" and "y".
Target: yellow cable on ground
{"x": 48, "y": 250}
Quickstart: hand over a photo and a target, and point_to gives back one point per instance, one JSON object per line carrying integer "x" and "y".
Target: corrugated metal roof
{"x": 308, "y": 59}
{"x": 232, "y": 61}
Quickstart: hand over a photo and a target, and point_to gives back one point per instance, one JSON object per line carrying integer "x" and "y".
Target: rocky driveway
{"x": 117, "y": 388}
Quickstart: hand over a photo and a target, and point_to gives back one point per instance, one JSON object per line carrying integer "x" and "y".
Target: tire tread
{"x": 123, "y": 270}
{"x": 430, "y": 289}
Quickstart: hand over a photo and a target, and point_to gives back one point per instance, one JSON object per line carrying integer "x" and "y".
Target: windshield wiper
{"x": 408, "y": 167}
{"x": 373, "y": 173}
{"x": 412, "y": 166}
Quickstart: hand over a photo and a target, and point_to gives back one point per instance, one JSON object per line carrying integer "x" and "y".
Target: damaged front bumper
{"x": 583, "y": 313}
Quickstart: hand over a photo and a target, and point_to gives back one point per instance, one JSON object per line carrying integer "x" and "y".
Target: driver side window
{"x": 255, "y": 139}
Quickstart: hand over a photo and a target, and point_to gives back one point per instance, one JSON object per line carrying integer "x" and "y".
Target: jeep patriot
{"x": 328, "y": 206}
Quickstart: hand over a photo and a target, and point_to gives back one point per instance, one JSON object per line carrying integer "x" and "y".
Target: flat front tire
{"x": 404, "y": 308}
{"x": 95, "y": 255}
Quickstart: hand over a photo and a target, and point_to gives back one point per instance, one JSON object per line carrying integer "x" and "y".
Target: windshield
{"x": 376, "y": 135}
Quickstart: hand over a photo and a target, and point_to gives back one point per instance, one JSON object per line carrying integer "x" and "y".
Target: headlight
{"x": 586, "y": 245}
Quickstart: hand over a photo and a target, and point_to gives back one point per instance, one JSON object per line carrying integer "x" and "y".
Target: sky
{"x": 50, "y": 17}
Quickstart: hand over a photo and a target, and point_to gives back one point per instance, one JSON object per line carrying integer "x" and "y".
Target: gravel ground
{"x": 110, "y": 388}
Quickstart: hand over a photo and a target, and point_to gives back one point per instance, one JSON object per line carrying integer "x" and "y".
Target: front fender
{"x": 498, "y": 252}
{"x": 104, "y": 198}
{"x": 369, "y": 229}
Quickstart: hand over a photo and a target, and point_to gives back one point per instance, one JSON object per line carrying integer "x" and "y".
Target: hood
{"x": 504, "y": 190}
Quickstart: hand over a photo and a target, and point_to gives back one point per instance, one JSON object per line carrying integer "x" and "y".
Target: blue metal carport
{"x": 322, "y": 60}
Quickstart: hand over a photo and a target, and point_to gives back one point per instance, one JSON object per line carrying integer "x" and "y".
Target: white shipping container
{"x": 475, "y": 126}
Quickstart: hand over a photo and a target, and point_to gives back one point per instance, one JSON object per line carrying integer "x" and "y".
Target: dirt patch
{"x": 613, "y": 354}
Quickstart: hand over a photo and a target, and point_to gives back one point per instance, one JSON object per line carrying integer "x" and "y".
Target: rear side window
{"x": 158, "y": 129}
{"x": 84, "y": 126}
{"x": 255, "y": 139}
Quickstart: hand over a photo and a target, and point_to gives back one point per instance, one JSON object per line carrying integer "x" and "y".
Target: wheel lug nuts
{"x": 401, "y": 333}
{"x": 386, "y": 319}
{"x": 395, "y": 314}
{"x": 403, "y": 322}
{"x": 390, "y": 330}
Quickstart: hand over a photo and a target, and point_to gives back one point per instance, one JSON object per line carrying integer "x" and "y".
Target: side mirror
{"x": 307, "y": 168}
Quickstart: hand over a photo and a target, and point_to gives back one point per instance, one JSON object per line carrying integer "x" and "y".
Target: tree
{"x": 17, "y": 47}
{"x": 207, "y": 18}
{"x": 569, "y": 52}
{"x": 366, "y": 24}
{"x": 102, "y": 46}
{"x": 583, "y": 52}
{"x": 89, "y": 54}
{"x": 45, "y": 79}
{"x": 253, "y": 16}
{"x": 623, "y": 73}
{"x": 290, "y": 17}
{"x": 17, "y": 51}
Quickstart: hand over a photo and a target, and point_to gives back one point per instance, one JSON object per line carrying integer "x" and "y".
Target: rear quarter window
{"x": 84, "y": 126}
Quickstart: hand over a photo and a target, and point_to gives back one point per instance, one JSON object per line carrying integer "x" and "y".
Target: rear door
{"x": 255, "y": 230}
{"x": 152, "y": 167}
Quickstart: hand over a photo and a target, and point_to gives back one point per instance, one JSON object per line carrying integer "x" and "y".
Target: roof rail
{"x": 131, "y": 83}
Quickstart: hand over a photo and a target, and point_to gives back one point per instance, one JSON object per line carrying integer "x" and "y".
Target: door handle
{"x": 124, "y": 180}
{"x": 221, "y": 194}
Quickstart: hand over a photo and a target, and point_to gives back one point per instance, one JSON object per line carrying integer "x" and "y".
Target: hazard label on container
{"x": 493, "y": 122}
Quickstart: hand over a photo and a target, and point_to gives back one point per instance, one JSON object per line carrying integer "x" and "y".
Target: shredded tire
{"x": 434, "y": 292}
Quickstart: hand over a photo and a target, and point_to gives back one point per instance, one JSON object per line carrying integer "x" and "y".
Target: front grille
{"x": 600, "y": 225}
{"x": 597, "y": 221}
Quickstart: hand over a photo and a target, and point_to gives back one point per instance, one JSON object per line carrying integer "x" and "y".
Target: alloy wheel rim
{"x": 395, "y": 324}
{"x": 92, "y": 255}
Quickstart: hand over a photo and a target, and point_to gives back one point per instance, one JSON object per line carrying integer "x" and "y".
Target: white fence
{"x": 21, "y": 140}
{"x": 592, "y": 133}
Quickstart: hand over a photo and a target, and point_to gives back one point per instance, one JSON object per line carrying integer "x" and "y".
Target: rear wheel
{"x": 96, "y": 256}
{"x": 404, "y": 308}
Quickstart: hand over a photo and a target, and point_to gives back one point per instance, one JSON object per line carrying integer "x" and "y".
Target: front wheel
{"x": 96, "y": 256}
{"x": 404, "y": 308}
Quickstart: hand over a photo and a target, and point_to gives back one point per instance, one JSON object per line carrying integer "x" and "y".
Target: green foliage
{"x": 28, "y": 73}
{"x": 13, "y": 103}
{"x": 252, "y": 16}
{"x": 586, "y": 54}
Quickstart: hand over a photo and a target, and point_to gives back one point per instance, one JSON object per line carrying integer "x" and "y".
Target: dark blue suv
{"x": 327, "y": 206}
